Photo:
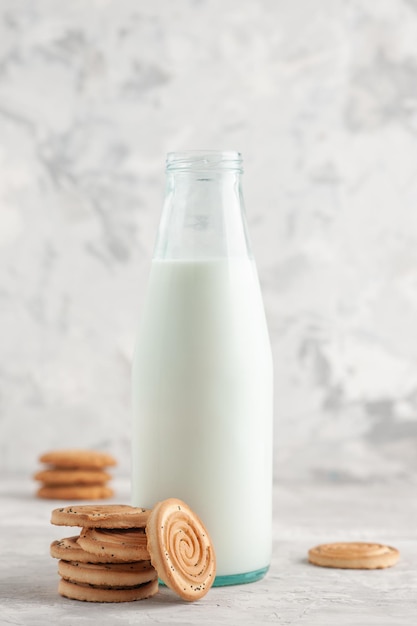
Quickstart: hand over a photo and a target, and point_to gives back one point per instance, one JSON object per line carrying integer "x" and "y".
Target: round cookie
{"x": 126, "y": 544}
{"x": 72, "y": 477}
{"x": 101, "y": 516}
{"x": 75, "y": 458}
{"x": 108, "y": 574}
{"x": 181, "y": 550}
{"x": 354, "y": 555}
{"x": 88, "y": 593}
{"x": 74, "y": 492}
{"x": 69, "y": 549}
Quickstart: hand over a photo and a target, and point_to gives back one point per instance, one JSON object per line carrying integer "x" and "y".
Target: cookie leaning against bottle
{"x": 180, "y": 549}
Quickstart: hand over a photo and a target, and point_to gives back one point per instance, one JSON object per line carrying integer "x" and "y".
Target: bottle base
{"x": 240, "y": 579}
{"x": 236, "y": 579}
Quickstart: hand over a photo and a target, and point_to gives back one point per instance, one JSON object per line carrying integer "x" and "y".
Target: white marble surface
{"x": 321, "y": 98}
{"x": 293, "y": 593}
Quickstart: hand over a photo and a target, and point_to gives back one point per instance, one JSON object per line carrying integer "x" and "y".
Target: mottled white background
{"x": 321, "y": 98}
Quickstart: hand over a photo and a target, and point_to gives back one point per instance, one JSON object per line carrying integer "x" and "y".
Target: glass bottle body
{"x": 202, "y": 374}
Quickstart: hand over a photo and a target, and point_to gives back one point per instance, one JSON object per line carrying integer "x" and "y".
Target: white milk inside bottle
{"x": 202, "y": 371}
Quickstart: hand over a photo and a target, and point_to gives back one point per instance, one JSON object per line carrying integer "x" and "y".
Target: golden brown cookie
{"x": 100, "y": 516}
{"x": 108, "y": 574}
{"x": 126, "y": 544}
{"x": 181, "y": 550}
{"x": 74, "y": 492}
{"x": 75, "y": 458}
{"x": 72, "y": 477}
{"x": 69, "y": 549}
{"x": 88, "y": 593}
{"x": 353, "y": 555}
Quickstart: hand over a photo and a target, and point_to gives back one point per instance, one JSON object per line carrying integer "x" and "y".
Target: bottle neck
{"x": 203, "y": 215}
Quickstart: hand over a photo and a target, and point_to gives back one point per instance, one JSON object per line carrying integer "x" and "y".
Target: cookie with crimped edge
{"x": 88, "y": 593}
{"x": 180, "y": 548}
{"x": 69, "y": 549}
{"x": 353, "y": 555}
{"x": 72, "y": 477}
{"x": 113, "y": 575}
{"x": 78, "y": 458}
{"x": 126, "y": 544}
{"x": 100, "y": 516}
{"x": 75, "y": 492}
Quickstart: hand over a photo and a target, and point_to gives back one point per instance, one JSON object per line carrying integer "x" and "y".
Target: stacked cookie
{"x": 75, "y": 475}
{"x": 109, "y": 560}
{"x": 121, "y": 552}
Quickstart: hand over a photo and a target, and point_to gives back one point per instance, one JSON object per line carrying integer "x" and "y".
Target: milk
{"x": 202, "y": 395}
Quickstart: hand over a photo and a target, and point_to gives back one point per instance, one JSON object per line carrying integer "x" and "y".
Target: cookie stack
{"x": 109, "y": 560}
{"x": 121, "y": 552}
{"x": 75, "y": 475}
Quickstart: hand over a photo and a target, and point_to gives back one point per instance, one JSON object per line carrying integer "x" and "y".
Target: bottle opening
{"x": 204, "y": 160}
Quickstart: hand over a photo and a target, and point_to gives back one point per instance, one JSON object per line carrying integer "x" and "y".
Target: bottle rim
{"x": 204, "y": 160}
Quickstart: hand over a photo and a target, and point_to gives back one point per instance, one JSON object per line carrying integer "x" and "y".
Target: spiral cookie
{"x": 75, "y": 458}
{"x": 71, "y": 477}
{"x": 354, "y": 555}
{"x": 180, "y": 549}
{"x": 69, "y": 549}
{"x": 100, "y": 516}
{"x": 119, "y": 575}
{"x": 90, "y": 593}
{"x": 124, "y": 544}
{"x": 75, "y": 492}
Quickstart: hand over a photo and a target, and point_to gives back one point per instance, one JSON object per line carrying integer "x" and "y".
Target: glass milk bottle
{"x": 202, "y": 371}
